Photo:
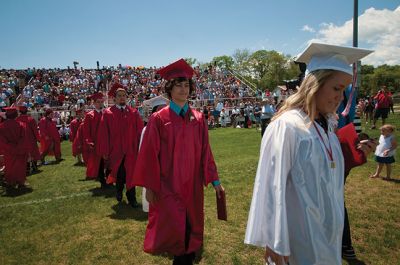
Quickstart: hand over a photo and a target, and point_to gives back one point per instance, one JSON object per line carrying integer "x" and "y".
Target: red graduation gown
{"x": 119, "y": 137}
{"x": 90, "y": 136}
{"x": 78, "y": 144}
{"x": 49, "y": 138}
{"x": 175, "y": 160}
{"x": 13, "y": 145}
{"x": 73, "y": 128}
{"x": 32, "y": 136}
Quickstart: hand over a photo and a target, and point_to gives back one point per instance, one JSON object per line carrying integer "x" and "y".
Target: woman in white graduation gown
{"x": 297, "y": 207}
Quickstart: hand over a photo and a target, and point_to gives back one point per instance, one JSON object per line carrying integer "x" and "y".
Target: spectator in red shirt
{"x": 382, "y": 106}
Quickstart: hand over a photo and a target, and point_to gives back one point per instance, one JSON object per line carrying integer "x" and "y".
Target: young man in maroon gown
{"x": 50, "y": 142}
{"x": 32, "y": 138}
{"x": 73, "y": 129}
{"x": 118, "y": 142}
{"x": 14, "y": 148}
{"x": 175, "y": 162}
{"x": 95, "y": 163}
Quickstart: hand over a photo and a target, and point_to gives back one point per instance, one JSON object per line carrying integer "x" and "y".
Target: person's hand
{"x": 219, "y": 189}
{"x": 386, "y": 152}
{"x": 91, "y": 145}
{"x": 274, "y": 257}
{"x": 151, "y": 196}
{"x": 105, "y": 157}
{"x": 367, "y": 146}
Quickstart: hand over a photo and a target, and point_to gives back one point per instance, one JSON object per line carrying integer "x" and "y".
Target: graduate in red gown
{"x": 13, "y": 145}
{"x": 73, "y": 130}
{"x": 78, "y": 148}
{"x": 32, "y": 138}
{"x": 50, "y": 142}
{"x": 175, "y": 162}
{"x": 119, "y": 136}
{"x": 95, "y": 163}
{"x": 2, "y": 118}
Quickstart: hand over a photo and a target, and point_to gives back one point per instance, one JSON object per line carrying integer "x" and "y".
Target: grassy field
{"x": 64, "y": 219}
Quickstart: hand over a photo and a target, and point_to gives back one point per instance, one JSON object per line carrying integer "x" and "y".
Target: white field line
{"x": 46, "y": 200}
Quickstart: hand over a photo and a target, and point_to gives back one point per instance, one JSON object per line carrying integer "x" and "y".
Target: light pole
{"x": 355, "y": 41}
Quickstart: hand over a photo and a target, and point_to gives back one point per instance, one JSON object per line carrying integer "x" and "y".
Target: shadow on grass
{"x": 77, "y": 164}
{"x": 392, "y": 180}
{"x": 355, "y": 262}
{"x": 15, "y": 192}
{"x": 101, "y": 192}
{"x": 124, "y": 211}
{"x": 34, "y": 173}
{"x": 50, "y": 163}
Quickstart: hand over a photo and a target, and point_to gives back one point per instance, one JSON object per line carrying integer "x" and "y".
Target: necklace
{"x": 328, "y": 150}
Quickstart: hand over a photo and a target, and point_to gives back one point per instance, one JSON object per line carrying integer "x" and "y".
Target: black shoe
{"x": 106, "y": 186}
{"x": 119, "y": 196}
{"x": 348, "y": 252}
{"x": 34, "y": 167}
{"x": 134, "y": 204}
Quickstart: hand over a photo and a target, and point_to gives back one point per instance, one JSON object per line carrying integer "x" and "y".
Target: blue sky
{"x": 54, "y": 33}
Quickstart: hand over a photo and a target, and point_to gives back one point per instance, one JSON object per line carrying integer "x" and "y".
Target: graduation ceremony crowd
{"x": 297, "y": 212}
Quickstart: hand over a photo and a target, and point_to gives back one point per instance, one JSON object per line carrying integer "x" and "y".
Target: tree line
{"x": 267, "y": 69}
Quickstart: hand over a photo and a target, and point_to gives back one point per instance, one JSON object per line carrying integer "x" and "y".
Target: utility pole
{"x": 355, "y": 40}
{"x": 355, "y": 24}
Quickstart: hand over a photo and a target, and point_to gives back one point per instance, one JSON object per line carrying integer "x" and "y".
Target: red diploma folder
{"x": 221, "y": 207}
{"x": 348, "y": 139}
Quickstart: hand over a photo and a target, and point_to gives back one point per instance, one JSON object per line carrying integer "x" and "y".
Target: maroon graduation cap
{"x": 97, "y": 96}
{"x": 114, "y": 88}
{"x": 177, "y": 69}
{"x": 11, "y": 111}
{"x": 22, "y": 108}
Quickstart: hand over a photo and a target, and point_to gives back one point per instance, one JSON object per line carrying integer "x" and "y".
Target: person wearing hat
{"x": 95, "y": 163}
{"x": 73, "y": 126}
{"x": 50, "y": 142}
{"x": 174, "y": 163}
{"x": 156, "y": 104}
{"x": 14, "y": 149}
{"x": 32, "y": 138}
{"x": 297, "y": 209}
{"x": 118, "y": 143}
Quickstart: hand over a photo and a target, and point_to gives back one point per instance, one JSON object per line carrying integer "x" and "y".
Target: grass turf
{"x": 64, "y": 219}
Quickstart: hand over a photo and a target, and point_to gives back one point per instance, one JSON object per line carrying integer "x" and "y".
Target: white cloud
{"x": 378, "y": 30}
{"x": 308, "y": 29}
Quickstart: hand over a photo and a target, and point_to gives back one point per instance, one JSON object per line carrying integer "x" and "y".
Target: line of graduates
{"x": 19, "y": 136}
{"x": 173, "y": 164}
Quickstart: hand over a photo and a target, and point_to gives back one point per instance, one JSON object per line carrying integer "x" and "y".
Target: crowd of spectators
{"x": 225, "y": 100}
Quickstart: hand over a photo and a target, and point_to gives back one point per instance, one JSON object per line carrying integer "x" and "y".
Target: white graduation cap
{"x": 319, "y": 56}
{"x": 157, "y": 101}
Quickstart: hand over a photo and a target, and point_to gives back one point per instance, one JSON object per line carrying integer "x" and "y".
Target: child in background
{"x": 357, "y": 119}
{"x": 385, "y": 151}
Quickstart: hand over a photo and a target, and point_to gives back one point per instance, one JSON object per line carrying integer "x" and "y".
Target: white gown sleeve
{"x": 145, "y": 203}
{"x": 267, "y": 222}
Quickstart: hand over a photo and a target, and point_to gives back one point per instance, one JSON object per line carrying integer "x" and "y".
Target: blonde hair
{"x": 389, "y": 127}
{"x": 304, "y": 98}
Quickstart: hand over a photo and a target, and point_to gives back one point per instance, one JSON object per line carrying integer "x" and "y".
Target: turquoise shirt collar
{"x": 177, "y": 109}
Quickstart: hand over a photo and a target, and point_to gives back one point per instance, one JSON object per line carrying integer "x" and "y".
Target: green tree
{"x": 241, "y": 61}
{"x": 191, "y": 61}
{"x": 223, "y": 61}
{"x": 269, "y": 67}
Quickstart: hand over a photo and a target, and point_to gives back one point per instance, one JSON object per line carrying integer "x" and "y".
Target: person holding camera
{"x": 382, "y": 106}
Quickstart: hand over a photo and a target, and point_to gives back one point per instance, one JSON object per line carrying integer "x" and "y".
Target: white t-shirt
{"x": 385, "y": 143}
